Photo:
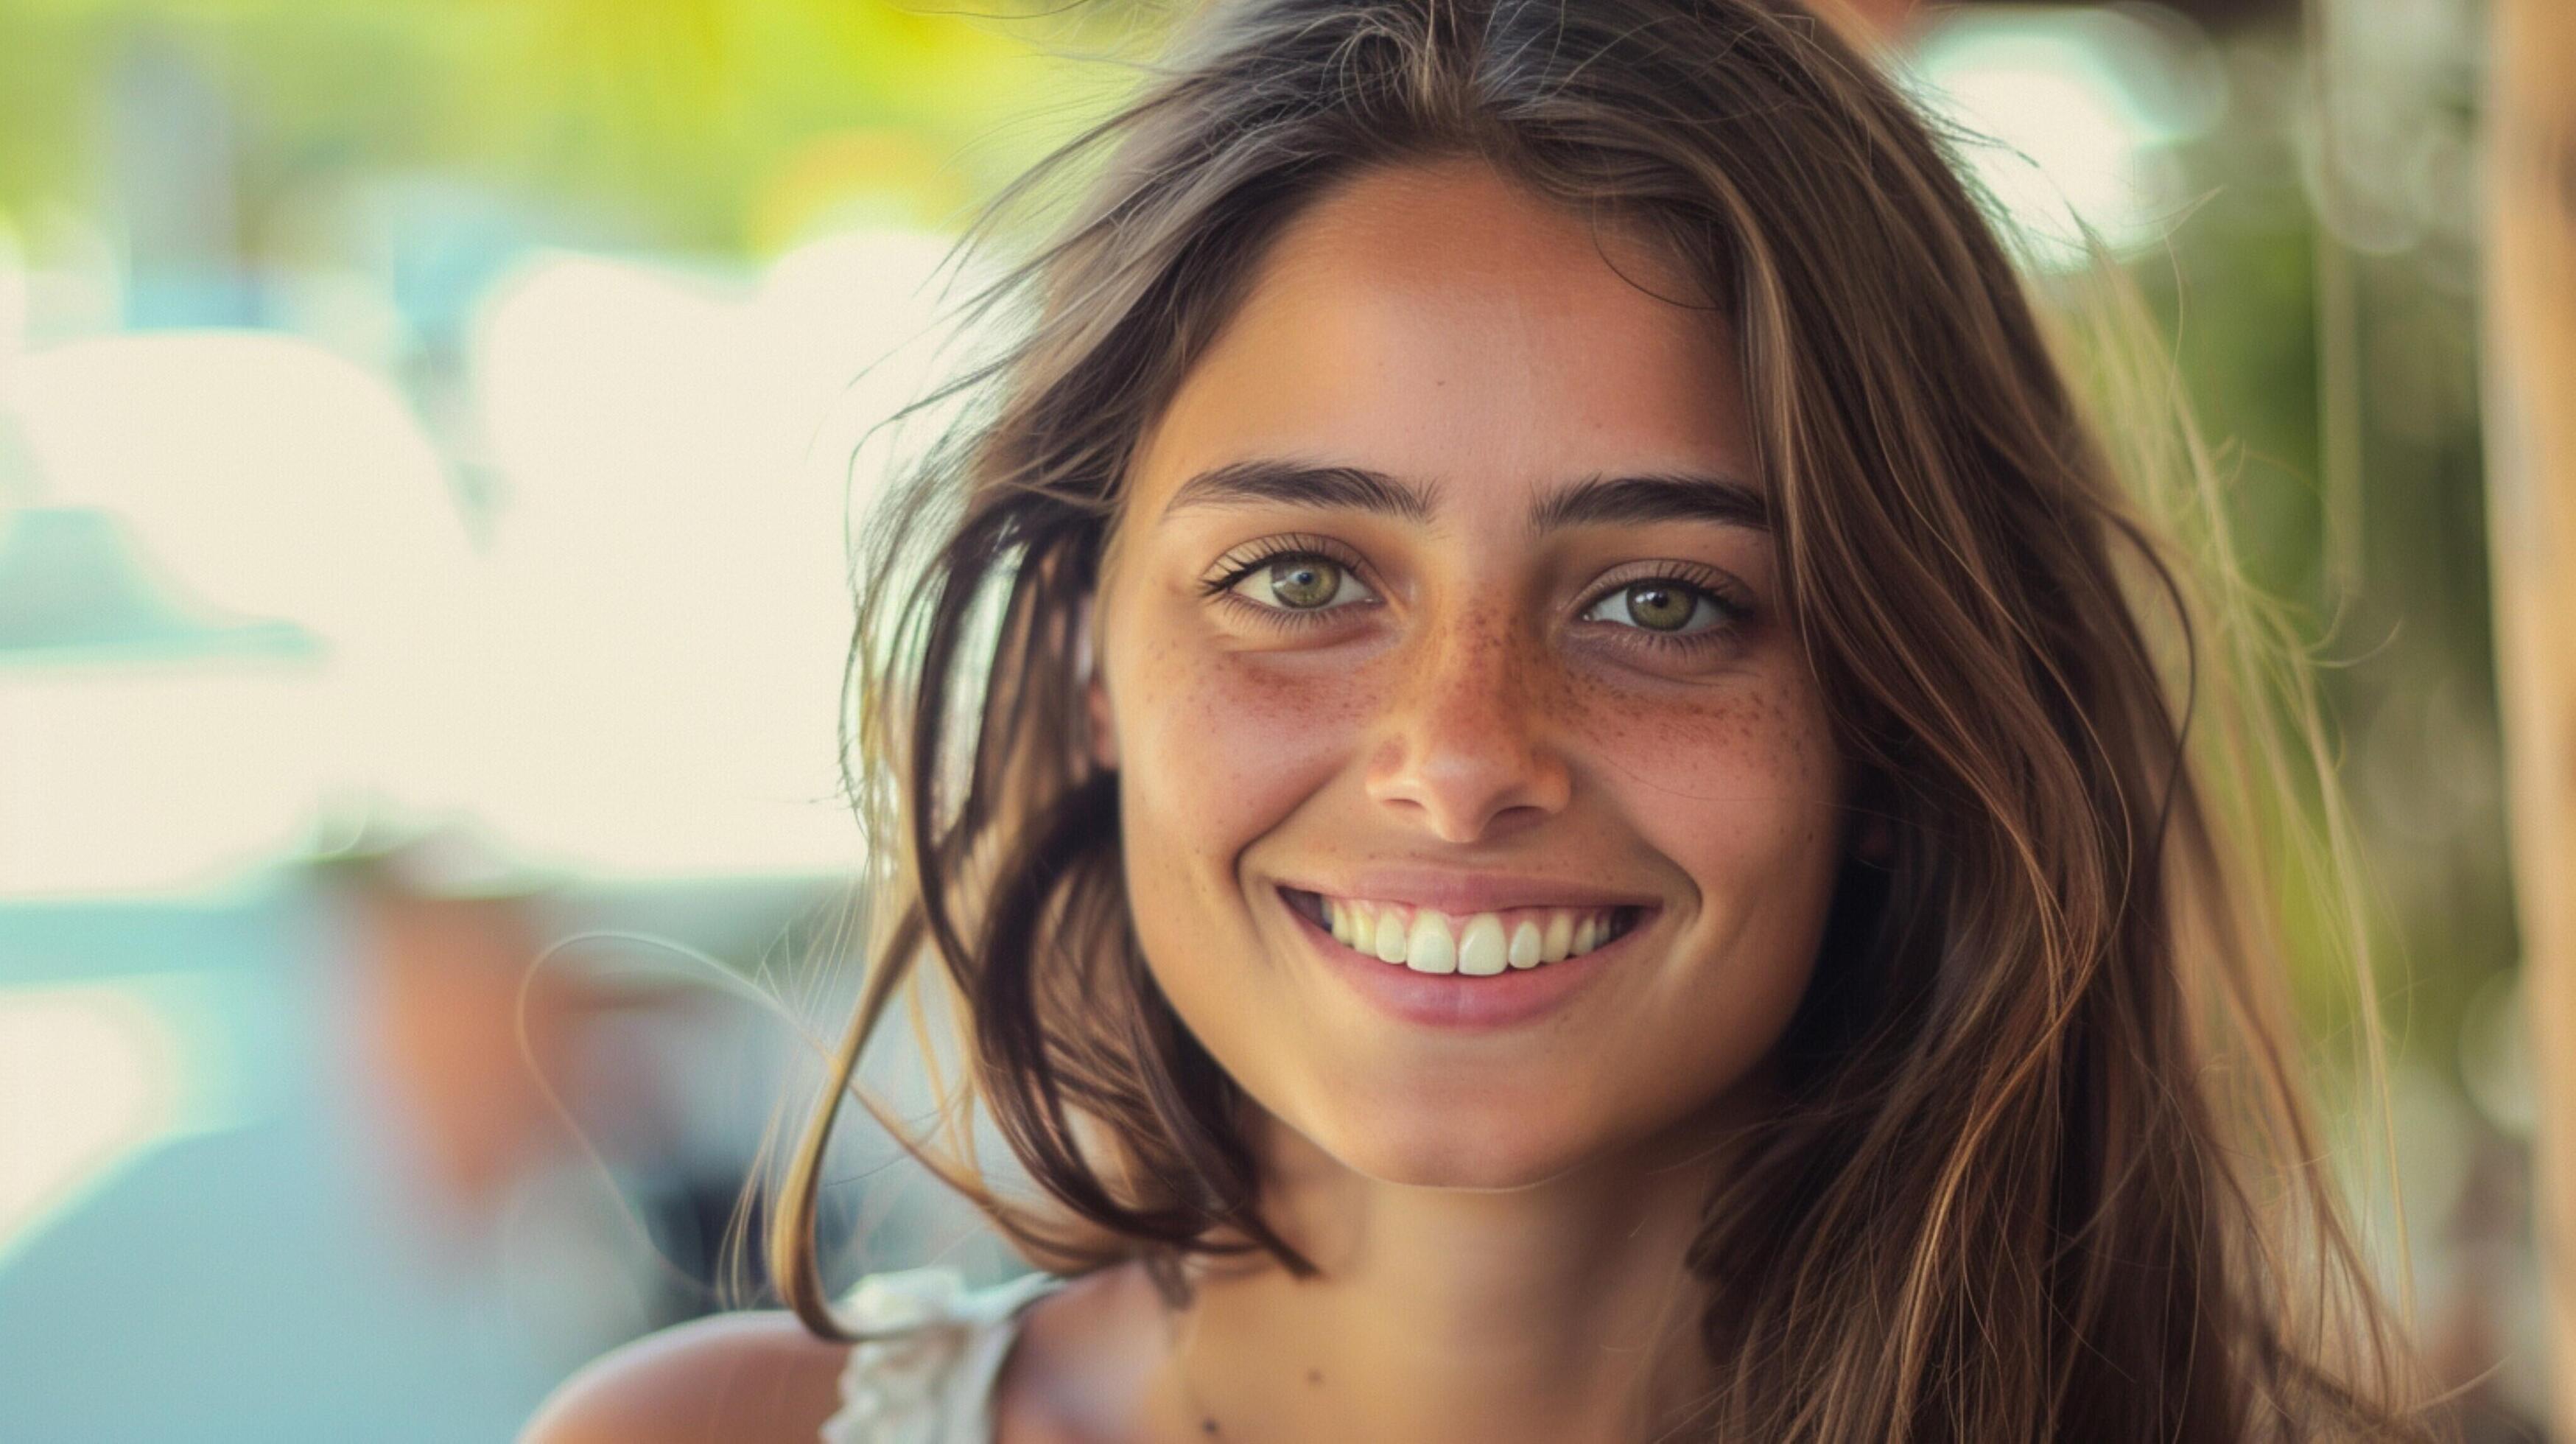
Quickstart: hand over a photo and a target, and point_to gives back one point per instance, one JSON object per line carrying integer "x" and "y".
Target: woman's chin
{"x": 1447, "y": 1152}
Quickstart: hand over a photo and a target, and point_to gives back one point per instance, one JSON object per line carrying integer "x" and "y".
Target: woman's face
{"x": 1442, "y": 608}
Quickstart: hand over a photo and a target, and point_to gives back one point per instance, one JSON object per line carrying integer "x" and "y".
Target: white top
{"x": 933, "y": 1383}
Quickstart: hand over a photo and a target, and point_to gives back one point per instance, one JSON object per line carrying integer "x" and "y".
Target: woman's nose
{"x": 1463, "y": 743}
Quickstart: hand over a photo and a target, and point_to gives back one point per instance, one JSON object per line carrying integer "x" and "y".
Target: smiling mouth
{"x": 1483, "y": 944}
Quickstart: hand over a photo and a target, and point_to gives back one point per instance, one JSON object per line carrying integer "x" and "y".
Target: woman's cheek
{"x": 1738, "y": 784}
{"x": 1223, "y": 746}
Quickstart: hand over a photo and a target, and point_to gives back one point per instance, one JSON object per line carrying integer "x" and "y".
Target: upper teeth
{"x": 1434, "y": 942}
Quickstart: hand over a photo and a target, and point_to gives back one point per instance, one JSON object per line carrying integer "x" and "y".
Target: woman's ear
{"x": 1100, "y": 735}
{"x": 1098, "y": 731}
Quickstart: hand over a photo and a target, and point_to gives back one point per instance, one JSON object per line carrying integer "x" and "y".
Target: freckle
{"x": 1314, "y": 1376}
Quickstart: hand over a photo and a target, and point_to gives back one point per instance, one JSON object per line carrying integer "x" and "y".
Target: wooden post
{"x": 2530, "y": 386}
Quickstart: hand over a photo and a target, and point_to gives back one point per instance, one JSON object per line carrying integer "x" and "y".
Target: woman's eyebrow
{"x": 1633, "y": 500}
{"x": 1593, "y": 501}
{"x": 1269, "y": 480}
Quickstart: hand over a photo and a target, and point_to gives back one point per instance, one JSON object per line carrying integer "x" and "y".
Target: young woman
{"x": 1552, "y": 774}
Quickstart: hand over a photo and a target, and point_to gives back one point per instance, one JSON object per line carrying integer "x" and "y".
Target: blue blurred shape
{"x": 262, "y": 1271}
{"x": 76, "y": 588}
{"x": 101, "y": 1073}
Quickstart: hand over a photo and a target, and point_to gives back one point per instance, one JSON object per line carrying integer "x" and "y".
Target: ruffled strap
{"x": 931, "y": 1380}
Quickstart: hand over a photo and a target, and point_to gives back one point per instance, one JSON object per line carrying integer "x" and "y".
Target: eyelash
{"x": 1242, "y": 562}
{"x": 1732, "y": 610}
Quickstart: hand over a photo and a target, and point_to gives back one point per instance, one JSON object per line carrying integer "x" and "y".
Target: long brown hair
{"x": 2047, "y": 1172}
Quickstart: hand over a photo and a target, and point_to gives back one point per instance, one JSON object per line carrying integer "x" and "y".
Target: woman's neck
{"x": 1551, "y": 1312}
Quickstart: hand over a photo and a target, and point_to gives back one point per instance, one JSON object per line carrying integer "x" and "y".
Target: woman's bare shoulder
{"x": 746, "y": 1378}
{"x": 1083, "y": 1364}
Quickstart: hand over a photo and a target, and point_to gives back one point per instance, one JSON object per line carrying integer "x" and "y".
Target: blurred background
{"x": 429, "y": 434}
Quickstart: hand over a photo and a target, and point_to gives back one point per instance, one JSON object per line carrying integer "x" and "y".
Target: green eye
{"x": 1300, "y": 581}
{"x": 1661, "y": 606}
{"x": 1291, "y": 585}
{"x": 1664, "y": 605}
{"x": 1303, "y": 583}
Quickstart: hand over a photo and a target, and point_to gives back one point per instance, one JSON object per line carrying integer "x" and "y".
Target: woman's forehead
{"x": 1442, "y": 323}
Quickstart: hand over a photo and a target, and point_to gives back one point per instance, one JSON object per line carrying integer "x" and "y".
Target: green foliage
{"x": 686, "y": 115}
{"x": 2376, "y": 545}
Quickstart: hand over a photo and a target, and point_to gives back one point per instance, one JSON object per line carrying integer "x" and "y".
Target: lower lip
{"x": 1461, "y": 1001}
